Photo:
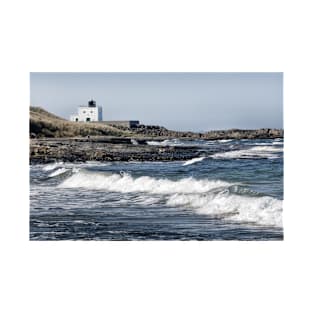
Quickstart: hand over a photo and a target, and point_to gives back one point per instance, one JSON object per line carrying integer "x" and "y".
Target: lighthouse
{"x": 88, "y": 113}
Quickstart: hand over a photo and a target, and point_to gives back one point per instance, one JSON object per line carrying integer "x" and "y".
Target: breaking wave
{"x": 216, "y": 198}
{"x": 255, "y": 152}
{"x": 260, "y": 210}
{"x": 126, "y": 183}
{"x": 192, "y": 161}
{"x": 59, "y": 171}
{"x": 225, "y": 140}
{"x": 52, "y": 166}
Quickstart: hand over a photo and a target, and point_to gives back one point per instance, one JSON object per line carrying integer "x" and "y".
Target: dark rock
{"x": 43, "y": 150}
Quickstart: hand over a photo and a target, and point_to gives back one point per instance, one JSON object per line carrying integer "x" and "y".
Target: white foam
{"x": 258, "y": 144}
{"x": 59, "y": 171}
{"x": 267, "y": 149}
{"x": 254, "y": 152}
{"x": 259, "y": 210}
{"x": 186, "y": 142}
{"x": 177, "y": 142}
{"x": 225, "y": 140}
{"x": 158, "y": 143}
{"x": 194, "y": 160}
{"x": 134, "y": 142}
{"x": 126, "y": 183}
{"x": 89, "y": 164}
{"x": 52, "y": 166}
{"x": 167, "y": 142}
{"x": 93, "y": 163}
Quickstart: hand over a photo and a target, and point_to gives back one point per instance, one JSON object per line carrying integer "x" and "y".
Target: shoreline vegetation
{"x": 54, "y": 139}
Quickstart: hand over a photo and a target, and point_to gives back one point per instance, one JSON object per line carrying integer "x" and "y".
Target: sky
{"x": 178, "y": 101}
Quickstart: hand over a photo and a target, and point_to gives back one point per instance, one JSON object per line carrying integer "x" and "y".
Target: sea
{"x": 232, "y": 191}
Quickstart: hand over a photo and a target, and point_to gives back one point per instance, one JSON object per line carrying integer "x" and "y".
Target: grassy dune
{"x": 46, "y": 124}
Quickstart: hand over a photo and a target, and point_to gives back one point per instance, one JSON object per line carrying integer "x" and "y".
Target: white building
{"x": 90, "y": 113}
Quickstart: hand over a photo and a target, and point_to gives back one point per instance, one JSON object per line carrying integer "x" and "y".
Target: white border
{"x": 209, "y": 36}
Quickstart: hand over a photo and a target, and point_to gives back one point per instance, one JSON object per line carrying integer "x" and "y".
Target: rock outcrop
{"x": 159, "y": 131}
{"x": 104, "y": 149}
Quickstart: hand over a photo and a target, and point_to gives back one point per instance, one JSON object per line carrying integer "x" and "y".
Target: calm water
{"x": 233, "y": 192}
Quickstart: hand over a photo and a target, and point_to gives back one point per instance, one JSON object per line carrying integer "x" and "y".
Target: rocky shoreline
{"x": 105, "y": 148}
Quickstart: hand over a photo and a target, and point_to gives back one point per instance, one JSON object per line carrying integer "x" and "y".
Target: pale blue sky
{"x": 180, "y": 101}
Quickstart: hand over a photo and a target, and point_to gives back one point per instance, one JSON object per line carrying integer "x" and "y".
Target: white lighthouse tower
{"x": 90, "y": 113}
